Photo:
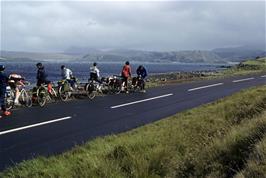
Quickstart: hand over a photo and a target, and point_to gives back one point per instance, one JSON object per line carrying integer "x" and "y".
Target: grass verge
{"x": 213, "y": 140}
{"x": 255, "y": 166}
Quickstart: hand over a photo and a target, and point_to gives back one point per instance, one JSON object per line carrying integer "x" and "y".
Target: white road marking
{"x": 34, "y": 125}
{"x": 140, "y": 101}
{"x": 207, "y": 86}
{"x": 263, "y": 76}
{"x": 242, "y": 80}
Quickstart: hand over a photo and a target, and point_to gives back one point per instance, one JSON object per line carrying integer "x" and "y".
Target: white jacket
{"x": 66, "y": 74}
{"x": 95, "y": 70}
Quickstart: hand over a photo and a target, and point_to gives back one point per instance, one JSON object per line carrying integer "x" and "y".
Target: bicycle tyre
{"x": 64, "y": 96}
{"x": 41, "y": 96}
{"x": 26, "y": 98}
{"x": 53, "y": 94}
{"x": 90, "y": 91}
{"x": 10, "y": 101}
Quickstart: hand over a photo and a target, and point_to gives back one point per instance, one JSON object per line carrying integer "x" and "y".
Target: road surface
{"x": 60, "y": 126}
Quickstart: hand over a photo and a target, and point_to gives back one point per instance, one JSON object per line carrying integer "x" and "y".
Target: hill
{"x": 238, "y": 54}
{"x": 219, "y": 55}
{"x": 195, "y": 56}
{"x": 32, "y": 56}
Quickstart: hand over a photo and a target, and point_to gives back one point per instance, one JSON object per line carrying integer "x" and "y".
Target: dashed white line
{"x": 207, "y": 86}
{"x": 140, "y": 101}
{"x": 34, "y": 125}
{"x": 242, "y": 80}
{"x": 263, "y": 76}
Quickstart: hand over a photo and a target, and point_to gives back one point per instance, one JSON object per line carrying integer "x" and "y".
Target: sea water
{"x": 81, "y": 69}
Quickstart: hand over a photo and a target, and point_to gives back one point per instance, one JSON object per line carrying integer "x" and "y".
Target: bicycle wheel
{"x": 64, "y": 95}
{"x": 119, "y": 87}
{"x": 89, "y": 88}
{"x": 9, "y": 100}
{"x": 41, "y": 96}
{"x": 53, "y": 94}
{"x": 25, "y": 98}
{"x": 100, "y": 89}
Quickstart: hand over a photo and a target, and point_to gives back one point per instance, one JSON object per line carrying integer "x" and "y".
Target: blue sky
{"x": 52, "y": 26}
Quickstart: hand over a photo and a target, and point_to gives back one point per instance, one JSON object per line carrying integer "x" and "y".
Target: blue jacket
{"x": 142, "y": 72}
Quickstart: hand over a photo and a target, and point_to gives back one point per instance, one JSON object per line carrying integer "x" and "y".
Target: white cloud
{"x": 54, "y": 26}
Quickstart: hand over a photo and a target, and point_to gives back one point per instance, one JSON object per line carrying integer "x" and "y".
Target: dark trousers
{"x": 2, "y": 99}
{"x": 125, "y": 79}
{"x": 71, "y": 82}
{"x": 93, "y": 76}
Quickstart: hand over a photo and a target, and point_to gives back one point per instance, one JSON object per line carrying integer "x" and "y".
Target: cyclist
{"x": 42, "y": 77}
{"x": 3, "y": 85}
{"x": 142, "y": 73}
{"x": 67, "y": 74}
{"x": 126, "y": 73}
{"x": 16, "y": 82}
{"x": 95, "y": 73}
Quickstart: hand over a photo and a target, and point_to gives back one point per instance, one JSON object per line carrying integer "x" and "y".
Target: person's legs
{"x": 143, "y": 86}
{"x": 126, "y": 84}
{"x": 3, "y": 102}
{"x": 98, "y": 80}
{"x": 71, "y": 82}
{"x": 93, "y": 76}
{"x": 17, "y": 95}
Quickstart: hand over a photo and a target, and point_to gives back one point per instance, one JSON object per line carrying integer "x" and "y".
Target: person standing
{"x": 3, "y": 85}
{"x": 67, "y": 74}
{"x": 142, "y": 73}
{"x": 42, "y": 77}
{"x": 126, "y": 74}
{"x": 95, "y": 73}
{"x": 16, "y": 81}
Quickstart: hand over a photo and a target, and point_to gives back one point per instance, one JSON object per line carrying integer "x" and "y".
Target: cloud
{"x": 55, "y": 26}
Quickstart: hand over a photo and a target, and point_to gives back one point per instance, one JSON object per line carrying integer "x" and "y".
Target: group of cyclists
{"x": 15, "y": 80}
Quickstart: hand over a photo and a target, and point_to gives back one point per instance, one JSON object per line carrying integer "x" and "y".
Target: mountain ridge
{"x": 218, "y": 55}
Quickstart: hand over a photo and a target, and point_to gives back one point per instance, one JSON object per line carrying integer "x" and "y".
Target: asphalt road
{"x": 57, "y": 127}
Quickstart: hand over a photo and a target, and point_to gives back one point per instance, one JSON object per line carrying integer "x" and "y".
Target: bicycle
{"x": 24, "y": 97}
{"x": 95, "y": 87}
{"x": 115, "y": 84}
{"x": 137, "y": 84}
{"x": 43, "y": 95}
{"x": 65, "y": 90}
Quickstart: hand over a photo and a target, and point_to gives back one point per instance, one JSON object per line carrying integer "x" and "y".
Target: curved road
{"x": 59, "y": 126}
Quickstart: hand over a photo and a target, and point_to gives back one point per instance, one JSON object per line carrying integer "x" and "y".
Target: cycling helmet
{"x": 63, "y": 66}
{"x": 127, "y": 63}
{"x": 2, "y": 67}
{"x": 94, "y": 64}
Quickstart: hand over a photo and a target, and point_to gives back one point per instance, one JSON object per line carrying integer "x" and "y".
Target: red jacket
{"x": 126, "y": 72}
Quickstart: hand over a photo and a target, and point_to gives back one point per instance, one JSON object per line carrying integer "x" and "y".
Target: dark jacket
{"x": 3, "y": 80}
{"x": 41, "y": 76}
{"x": 142, "y": 72}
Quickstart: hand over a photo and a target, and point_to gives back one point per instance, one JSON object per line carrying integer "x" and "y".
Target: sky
{"x": 54, "y": 26}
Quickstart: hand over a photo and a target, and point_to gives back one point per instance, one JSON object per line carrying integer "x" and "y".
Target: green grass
{"x": 214, "y": 140}
{"x": 247, "y": 67}
{"x": 256, "y": 164}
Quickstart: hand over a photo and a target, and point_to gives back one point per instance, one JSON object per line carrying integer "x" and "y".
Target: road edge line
{"x": 34, "y": 125}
